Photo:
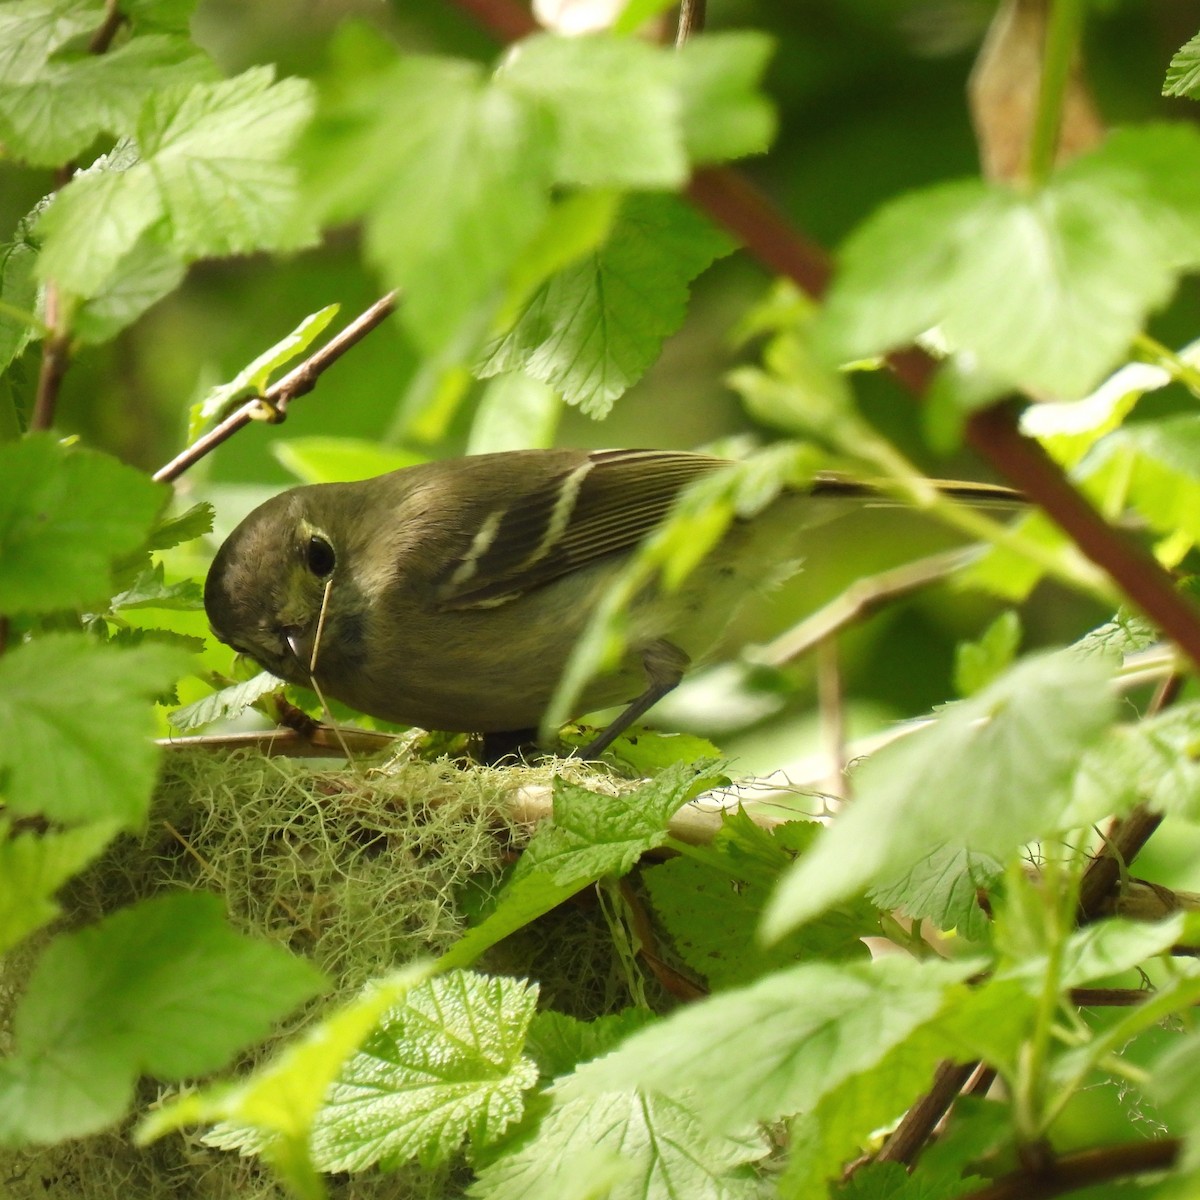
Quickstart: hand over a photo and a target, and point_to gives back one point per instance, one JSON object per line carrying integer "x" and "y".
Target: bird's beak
{"x": 292, "y": 635}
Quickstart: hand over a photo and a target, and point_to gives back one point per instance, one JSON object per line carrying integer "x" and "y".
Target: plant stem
{"x": 1062, "y": 37}
{"x": 56, "y": 356}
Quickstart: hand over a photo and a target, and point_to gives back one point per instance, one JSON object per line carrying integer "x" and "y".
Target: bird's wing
{"x": 606, "y": 502}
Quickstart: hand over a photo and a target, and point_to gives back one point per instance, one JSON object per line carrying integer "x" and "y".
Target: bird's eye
{"x": 319, "y": 556}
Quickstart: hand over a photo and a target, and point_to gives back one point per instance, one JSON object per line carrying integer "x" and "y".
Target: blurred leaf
{"x": 65, "y": 515}
{"x": 164, "y": 988}
{"x": 33, "y": 866}
{"x": 558, "y": 1043}
{"x": 142, "y": 277}
{"x": 976, "y": 664}
{"x": 612, "y": 106}
{"x": 514, "y": 413}
{"x": 1183, "y": 75}
{"x": 444, "y": 1065}
{"x": 252, "y": 379}
{"x": 78, "y": 725}
{"x": 593, "y": 329}
{"x": 340, "y": 459}
{"x": 55, "y": 100}
{"x": 1046, "y": 287}
{"x": 19, "y": 321}
{"x": 724, "y": 115}
{"x": 990, "y": 774}
{"x": 211, "y": 180}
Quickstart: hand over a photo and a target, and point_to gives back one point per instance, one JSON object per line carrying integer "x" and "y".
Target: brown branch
{"x": 1072, "y": 1172}
{"x": 102, "y": 38}
{"x": 692, "y": 14}
{"x": 277, "y": 397}
{"x": 56, "y": 357}
{"x": 909, "y": 1137}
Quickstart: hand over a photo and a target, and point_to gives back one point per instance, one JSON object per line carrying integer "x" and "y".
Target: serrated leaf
{"x": 65, "y": 514}
{"x": 769, "y": 1054}
{"x": 253, "y": 378}
{"x": 1046, "y": 287}
{"x": 724, "y": 114}
{"x": 1183, "y": 74}
{"x": 636, "y": 1146}
{"x": 559, "y": 1043}
{"x": 613, "y": 107}
{"x": 55, "y": 101}
{"x": 151, "y": 590}
{"x": 990, "y": 774}
{"x": 226, "y": 704}
{"x": 184, "y": 527}
{"x": 593, "y": 329}
{"x": 78, "y": 725}
{"x": 164, "y": 988}
{"x": 33, "y": 866}
{"x": 444, "y": 1066}
{"x": 211, "y": 180}
{"x": 943, "y": 887}
{"x": 976, "y": 664}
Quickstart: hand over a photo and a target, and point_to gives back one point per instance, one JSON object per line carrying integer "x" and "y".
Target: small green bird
{"x": 450, "y": 595}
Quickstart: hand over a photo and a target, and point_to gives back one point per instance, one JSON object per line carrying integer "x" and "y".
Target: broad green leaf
{"x": 78, "y": 723}
{"x": 1183, "y": 75}
{"x": 340, "y": 459}
{"x": 515, "y": 413}
{"x": 593, "y": 329}
{"x": 634, "y": 1145}
{"x": 777, "y": 1046}
{"x": 594, "y": 835}
{"x": 943, "y": 887}
{"x": 226, "y": 704}
{"x": 724, "y": 115}
{"x": 144, "y": 276}
{"x": 164, "y": 988}
{"x": 65, "y": 514}
{"x": 253, "y": 378}
{"x": 449, "y": 172}
{"x": 33, "y": 866}
{"x": 1109, "y": 947}
{"x": 1046, "y": 287}
{"x": 990, "y": 774}
{"x": 19, "y": 320}
{"x": 711, "y": 905}
{"x": 976, "y": 664}
{"x": 444, "y": 1066}
{"x": 151, "y": 590}
{"x": 558, "y": 1043}
{"x": 56, "y": 100}
{"x": 211, "y": 180}
{"x": 612, "y": 105}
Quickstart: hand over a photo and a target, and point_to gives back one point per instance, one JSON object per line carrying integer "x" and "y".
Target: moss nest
{"x": 359, "y": 869}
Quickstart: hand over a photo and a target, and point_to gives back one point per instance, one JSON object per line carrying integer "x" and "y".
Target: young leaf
{"x": 151, "y": 590}
{"x": 1183, "y": 75}
{"x": 593, "y": 329}
{"x": 64, "y": 516}
{"x": 943, "y": 887}
{"x": 226, "y": 704}
{"x": 164, "y": 988}
{"x": 211, "y": 180}
{"x": 989, "y": 775}
{"x": 775, "y": 1047}
{"x": 78, "y": 724}
{"x": 445, "y": 1065}
{"x": 976, "y": 664}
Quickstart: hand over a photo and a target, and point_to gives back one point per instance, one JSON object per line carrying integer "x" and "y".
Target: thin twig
{"x": 277, "y": 397}
{"x": 1073, "y": 1172}
{"x": 832, "y": 709}
{"x": 56, "y": 356}
{"x": 691, "y": 20}
{"x": 909, "y": 1137}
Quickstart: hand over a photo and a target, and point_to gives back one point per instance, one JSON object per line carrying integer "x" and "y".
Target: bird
{"x": 450, "y": 595}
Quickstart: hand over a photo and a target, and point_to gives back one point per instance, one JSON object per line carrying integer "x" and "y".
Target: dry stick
{"x": 56, "y": 356}
{"x": 277, "y": 397}
{"x": 692, "y": 14}
{"x": 1072, "y": 1172}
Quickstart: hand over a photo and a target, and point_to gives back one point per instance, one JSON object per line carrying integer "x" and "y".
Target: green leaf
{"x": 55, "y": 100}
{"x": 711, "y": 905}
{"x": 183, "y": 527}
{"x": 65, "y": 514}
{"x": 594, "y": 835}
{"x": 593, "y": 329}
{"x": 990, "y": 774}
{"x": 340, "y": 459}
{"x": 445, "y": 1065}
{"x": 631, "y": 1146}
{"x": 724, "y": 114}
{"x": 164, "y": 988}
{"x": 151, "y": 590}
{"x": 1183, "y": 75}
{"x": 558, "y": 1043}
{"x": 1045, "y": 287}
{"x": 943, "y": 887}
{"x": 777, "y": 1046}
{"x": 34, "y": 866}
{"x": 612, "y": 104}
{"x": 515, "y": 413}
{"x": 1173, "y": 1086}
{"x": 226, "y": 704}
{"x": 450, "y": 173}
{"x": 976, "y": 664}
{"x": 211, "y": 180}
{"x": 78, "y": 726}
{"x": 19, "y": 322}
{"x": 143, "y": 277}
{"x": 252, "y": 379}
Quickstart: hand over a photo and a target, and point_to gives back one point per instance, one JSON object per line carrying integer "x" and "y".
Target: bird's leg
{"x": 665, "y": 664}
{"x": 508, "y": 743}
